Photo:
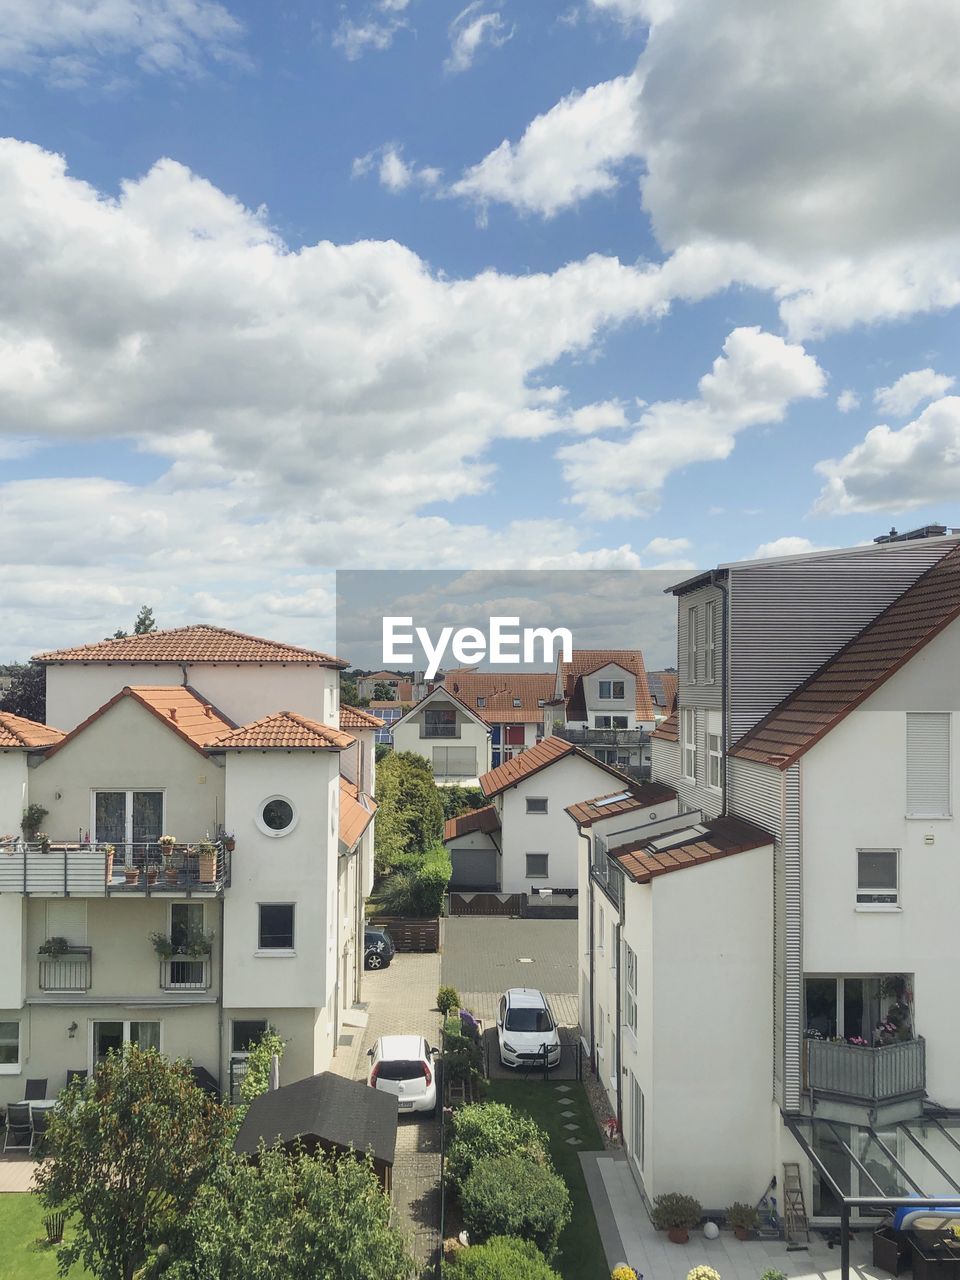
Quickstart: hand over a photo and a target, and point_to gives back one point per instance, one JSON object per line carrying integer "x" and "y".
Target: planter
{"x": 131, "y": 875}
{"x": 678, "y": 1235}
{"x": 891, "y": 1251}
{"x": 171, "y": 875}
{"x": 741, "y": 1233}
{"x": 152, "y": 874}
{"x": 208, "y": 868}
{"x": 229, "y": 845}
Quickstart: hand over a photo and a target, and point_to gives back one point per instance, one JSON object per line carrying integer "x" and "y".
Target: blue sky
{"x": 399, "y": 285}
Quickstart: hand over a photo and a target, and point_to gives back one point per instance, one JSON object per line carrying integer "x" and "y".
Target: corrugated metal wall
{"x": 699, "y": 694}
{"x": 792, "y": 939}
{"x": 665, "y": 758}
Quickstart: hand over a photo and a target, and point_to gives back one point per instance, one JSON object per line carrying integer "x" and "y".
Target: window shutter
{"x": 928, "y": 764}
{"x": 67, "y": 919}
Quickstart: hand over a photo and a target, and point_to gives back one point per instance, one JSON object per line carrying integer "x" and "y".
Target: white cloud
{"x": 910, "y": 390}
{"x": 667, "y": 546}
{"x": 896, "y": 470}
{"x": 847, "y": 401}
{"x": 755, "y": 381}
{"x": 354, "y": 39}
{"x": 470, "y": 31}
{"x": 788, "y": 546}
{"x": 70, "y": 40}
{"x": 393, "y": 172}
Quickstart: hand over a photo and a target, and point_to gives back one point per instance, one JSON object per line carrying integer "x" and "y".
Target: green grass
{"x": 24, "y": 1252}
{"x": 581, "y": 1252}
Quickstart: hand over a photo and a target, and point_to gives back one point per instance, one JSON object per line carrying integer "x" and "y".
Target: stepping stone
{"x": 563, "y": 1088}
{"x": 567, "y": 1115}
{"x": 571, "y": 1126}
{"x": 573, "y": 1142}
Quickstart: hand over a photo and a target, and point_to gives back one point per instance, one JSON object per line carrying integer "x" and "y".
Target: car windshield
{"x": 400, "y": 1071}
{"x": 529, "y": 1020}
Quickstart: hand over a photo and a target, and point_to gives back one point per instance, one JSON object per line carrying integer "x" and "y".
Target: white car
{"x": 404, "y": 1066}
{"x": 525, "y": 1027}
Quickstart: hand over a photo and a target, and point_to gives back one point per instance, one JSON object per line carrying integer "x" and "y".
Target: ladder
{"x": 794, "y": 1210}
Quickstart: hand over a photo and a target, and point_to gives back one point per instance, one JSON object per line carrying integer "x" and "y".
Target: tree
{"x": 143, "y": 623}
{"x": 457, "y": 800}
{"x": 382, "y": 692}
{"x": 410, "y": 813}
{"x": 27, "y": 695}
{"x": 256, "y": 1080}
{"x": 130, "y": 1150}
{"x": 291, "y": 1217}
{"x": 349, "y": 694}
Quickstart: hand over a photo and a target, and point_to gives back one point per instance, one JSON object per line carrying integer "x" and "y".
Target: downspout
{"x": 619, "y": 1036}
{"x": 722, "y": 588}
{"x": 220, "y": 1064}
{"x": 590, "y": 892}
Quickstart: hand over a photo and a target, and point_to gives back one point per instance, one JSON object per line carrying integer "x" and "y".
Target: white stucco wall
{"x": 13, "y": 791}
{"x": 12, "y": 949}
{"x": 625, "y": 706}
{"x": 472, "y": 733}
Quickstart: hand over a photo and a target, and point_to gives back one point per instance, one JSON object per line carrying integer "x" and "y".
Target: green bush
{"x": 410, "y": 813}
{"x": 501, "y": 1258}
{"x": 420, "y": 890}
{"x": 675, "y": 1210}
{"x": 492, "y": 1129}
{"x": 448, "y": 998}
{"x": 515, "y": 1196}
{"x": 741, "y": 1215}
{"x": 457, "y": 800}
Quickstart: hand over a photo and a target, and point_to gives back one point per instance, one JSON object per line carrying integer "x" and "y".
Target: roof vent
{"x": 173, "y": 712}
{"x": 927, "y": 531}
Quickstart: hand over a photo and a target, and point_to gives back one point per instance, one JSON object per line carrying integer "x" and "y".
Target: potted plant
{"x": 206, "y": 852}
{"x": 162, "y": 945}
{"x": 742, "y": 1217}
{"x": 676, "y": 1214}
{"x": 229, "y": 841}
{"x": 43, "y": 840}
{"x": 131, "y": 875}
{"x": 109, "y": 851}
{"x": 33, "y": 815}
{"x": 198, "y": 944}
{"x": 54, "y": 948}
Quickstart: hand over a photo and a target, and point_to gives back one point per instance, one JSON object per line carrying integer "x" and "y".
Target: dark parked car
{"x": 378, "y": 948}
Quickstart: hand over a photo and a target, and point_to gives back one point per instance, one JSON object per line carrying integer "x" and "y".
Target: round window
{"x": 277, "y": 816}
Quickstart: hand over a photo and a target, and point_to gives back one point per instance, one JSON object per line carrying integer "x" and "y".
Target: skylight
{"x": 677, "y": 837}
{"x": 621, "y": 795}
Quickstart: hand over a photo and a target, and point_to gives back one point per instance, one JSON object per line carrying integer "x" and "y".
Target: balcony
{"x": 603, "y": 737}
{"x": 63, "y": 868}
{"x": 857, "y": 1074}
{"x": 185, "y": 973}
{"x": 67, "y": 972}
{"x": 439, "y": 731}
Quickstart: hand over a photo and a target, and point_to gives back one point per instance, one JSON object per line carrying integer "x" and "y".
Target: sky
{"x": 392, "y": 284}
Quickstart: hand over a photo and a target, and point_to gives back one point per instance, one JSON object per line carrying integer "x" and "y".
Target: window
{"x": 9, "y": 1047}
{"x": 692, "y": 624}
{"x": 186, "y": 926}
{"x": 440, "y": 722}
{"x": 630, "y": 988}
{"x": 518, "y": 702}
{"x": 541, "y": 702}
{"x": 928, "y": 764}
{"x": 638, "y": 1110}
{"x": 714, "y": 762}
{"x": 276, "y": 926}
{"x": 610, "y": 722}
{"x": 710, "y": 641}
{"x": 537, "y": 866}
{"x": 536, "y": 804}
{"x": 112, "y": 1036}
{"x": 688, "y": 739}
{"x": 481, "y": 702}
{"x": 277, "y": 816}
{"x": 611, "y": 688}
{"x": 455, "y": 762}
{"x": 877, "y": 877}
{"x": 127, "y": 817}
{"x": 246, "y": 1033}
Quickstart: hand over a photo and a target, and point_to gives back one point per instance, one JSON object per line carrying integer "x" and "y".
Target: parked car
{"x": 378, "y": 948}
{"x": 525, "y": 1027}
{"x": 404, "y": 1066}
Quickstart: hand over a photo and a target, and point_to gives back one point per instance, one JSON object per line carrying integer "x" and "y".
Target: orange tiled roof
{"x": 500, "y": 690}
{"x": 198, "y": 643}
{"x": 178, "y": 706}
{"x": 529, "y": 762}
{"x": 484, "y": 820}
{"x": 357, "y": 718}
{"x": 356, "y": 812}
{"x": 663, "y": 687}
{"x": 669, "y": 729}
{"x": 642, "y": 795}
{"x": 858, "y": 669}
{"x": 284, "y": 731}
{"x": 586, "y": 661}
{"x": 18, "y": 732}
{"x": 721, "y": 837}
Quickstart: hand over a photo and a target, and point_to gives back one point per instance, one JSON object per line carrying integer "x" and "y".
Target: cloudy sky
{"x": 394, "y": 284}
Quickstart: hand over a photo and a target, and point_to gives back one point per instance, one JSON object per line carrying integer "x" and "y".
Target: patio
{"x": 16, "y": 1171}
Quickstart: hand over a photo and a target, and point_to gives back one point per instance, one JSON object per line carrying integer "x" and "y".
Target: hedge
{"x": 515, "y": 1196}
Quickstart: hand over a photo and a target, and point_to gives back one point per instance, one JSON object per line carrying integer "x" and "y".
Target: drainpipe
{"x": 721, "y": 586}
{"x": 590, "y": 893}
{"x": 617, "y": 1038}
{"x": 220, "y": 1066}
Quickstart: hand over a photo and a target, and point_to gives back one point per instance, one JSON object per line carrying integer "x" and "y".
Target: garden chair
{"x": 19, "y": 1134}
{"x": 74, "y": 1074}
{"x": 35, "y": 1091}
{"x": 39, "y": 1123}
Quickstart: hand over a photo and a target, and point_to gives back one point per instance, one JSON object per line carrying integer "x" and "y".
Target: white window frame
{"x": 693, "y": 618}
{"x": 638, "y": 1115}
{"x": 629, "y": 988}
{"x": 277, "y": 951}
{"x": 714, "y": 761}
{"x": 916, "y": 813}
{"x": 710, "y": 642}
{"x": 688, "y": 743}
{"x": 269, "y": 831}
{"x": 92, "y": 1036}
{"x": 543, "y": 875}
{"x": 538, "y": 813}
{"x": 245, "y": 1053}
{"x": 13, "y": 1068}
{"x": 481, "y": 703}
{"x": 863, "y": 902}
{"x": 128, "y": 809}
{"x": 611, "y": 695}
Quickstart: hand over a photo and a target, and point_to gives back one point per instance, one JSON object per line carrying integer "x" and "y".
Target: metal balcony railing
{"x": 862, "y": 1074}
{"x": 185, "y": 973}
{"x": 603, "y": 737}
{"x": 439, "y": 731}
{"x": 70, "y": 971}
{"x": 62, "y": 868}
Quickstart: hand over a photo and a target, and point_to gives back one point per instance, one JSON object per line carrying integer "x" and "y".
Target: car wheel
{"x": 373, "y": 961}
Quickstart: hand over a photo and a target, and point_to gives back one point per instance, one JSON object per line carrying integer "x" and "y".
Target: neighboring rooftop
{"x": 628, "y": 799}
{"x": 356, "y": 813}
{"x": 198, "y": 643}
{"x": 531, "y": 761}
{"x": 500, "y": 692}
{"x": 484, "y": 820}
{"x": 858, "y": 669}
{"x": 178, "y": 706}
{"x": 284, "y": 731}
{"x": 585, "y": 662}
{"x": 357, "y": 718}
{"x": 643, "y": 860}
{"x": 669, "y": 729}
{"x": 17, "y": 732}
{"x": 663, "y": 689}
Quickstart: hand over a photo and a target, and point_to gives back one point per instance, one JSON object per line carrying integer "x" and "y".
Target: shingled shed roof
{"x": 356, "y": 813}
{"x": 284, "y": 731}
{"x": 858, "y": 669}
{"x": 484, "y": 820}
{"x": 198, "y": 643}
{"x": 669, "y": 730}
{"x": 17, "y": 732}
{"x": 585, "y": 662}
{"x": 356, "y": 718}
{"x": 643, "y": 860}
{"x": 534, "y": 759}
{"x": 177, "y": 706}
{"x": 637, "y": 795}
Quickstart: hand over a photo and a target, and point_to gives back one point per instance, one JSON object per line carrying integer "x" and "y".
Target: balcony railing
{"x": 64, "y": 868}
{"x": 439, "y": 731}
{"x": 860, "y": 1074}
{"x": 185, "y": 973}
{"x": 69, "y": 971}
{"x": 603, "y": 737}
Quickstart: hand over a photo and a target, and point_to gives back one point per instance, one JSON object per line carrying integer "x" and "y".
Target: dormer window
{"x": 518, "y": 702}
{"x": 481, "y": 702}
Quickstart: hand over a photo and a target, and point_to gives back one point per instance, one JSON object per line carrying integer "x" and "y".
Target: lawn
{"x": 581, "y": 1253}
{"x": 24, "y": 1252}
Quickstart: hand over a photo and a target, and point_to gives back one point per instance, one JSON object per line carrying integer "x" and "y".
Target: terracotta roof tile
{"x": 357, "y": 718}
{"x": 284, "y": 731}
{"x": 663, "y": 689}
{"x": 356, "y": 812}
{"x": 858, "y": 669}
{"x": 18, "y": 732}
{"x": 199, "y": 643}
{"x": 500, "y": 691}
{"x": 669, "y": 729}
{"x": 720, "y": 838}
{"x": 641, "y": 795}
{"x": 484, "y": 820}
{"x": 179, "y": 707}
{"x": 534, "y": 759}
{"x": 585, "y": 662}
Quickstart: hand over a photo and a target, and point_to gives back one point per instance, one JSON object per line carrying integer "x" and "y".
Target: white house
{"x": 602, "y": 702}
{"x": 818, "y": 702}
{"x": 258, "y": 908}
{"x": 513, "y": 704}
{"x": 451, "y": 735}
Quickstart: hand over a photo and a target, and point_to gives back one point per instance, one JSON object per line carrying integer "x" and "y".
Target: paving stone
{"x": 572, "y": 1127}
{"x": 573, "y": 1142}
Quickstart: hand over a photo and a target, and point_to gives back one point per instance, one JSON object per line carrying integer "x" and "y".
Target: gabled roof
{"x": 198, "y": 643}
{"x": 284, "y": 731}
{"x": 630, "y": 798}
{"x": 499, "y": 692}
{"x": 531, "y": 761}
{"x": 669, "y": 729}
{"x": 858, "y": 669}
{"x": 17, "y": 732}
{"x": 356, "y": 718}
{"x": 585, "y": 662}
{"x": 441, "y": 694}
{"x": 356, "y": 813}
{"x": 484, "y": 820}
{"x": 643, "y": 860}
{"x": 177, "y": 706}
{"x": 663, "y": 687}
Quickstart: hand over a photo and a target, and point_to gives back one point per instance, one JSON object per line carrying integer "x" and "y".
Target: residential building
{"x": 663, "y": 692}
{"x": 601, "y": 701}
{"x": 811, "y": 875}
{"x": 514, "y": 705}
{"x": 388, "y": 713}
{"x": 194, "y": 952}
{"x": 451, "y": 735}
{"x": 404, "y": 686}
